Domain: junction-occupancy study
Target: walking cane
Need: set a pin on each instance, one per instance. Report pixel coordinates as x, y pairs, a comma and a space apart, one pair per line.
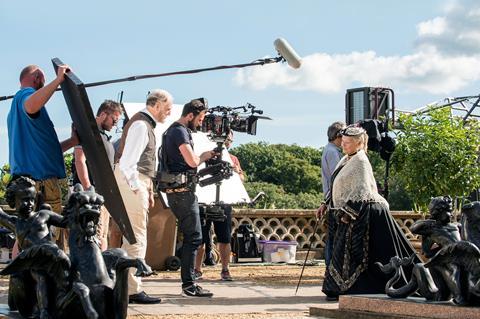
308, 253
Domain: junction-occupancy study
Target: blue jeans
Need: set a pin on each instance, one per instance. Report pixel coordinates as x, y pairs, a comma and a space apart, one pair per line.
329, 238
185, 208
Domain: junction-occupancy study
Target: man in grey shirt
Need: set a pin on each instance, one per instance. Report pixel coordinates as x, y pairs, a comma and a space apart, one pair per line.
332, 153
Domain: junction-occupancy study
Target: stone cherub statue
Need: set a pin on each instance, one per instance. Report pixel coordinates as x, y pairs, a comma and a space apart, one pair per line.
44, 281
35, 243
453, 267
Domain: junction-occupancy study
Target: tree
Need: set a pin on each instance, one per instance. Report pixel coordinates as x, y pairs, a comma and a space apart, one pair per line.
290, 175
398, 198
277, 197
5, 178
437, 154
295, 168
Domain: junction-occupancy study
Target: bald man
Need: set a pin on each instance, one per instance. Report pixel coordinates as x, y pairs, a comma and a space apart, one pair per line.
34, 149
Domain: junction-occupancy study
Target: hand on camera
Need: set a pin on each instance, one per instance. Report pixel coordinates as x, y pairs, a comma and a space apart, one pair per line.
205, 156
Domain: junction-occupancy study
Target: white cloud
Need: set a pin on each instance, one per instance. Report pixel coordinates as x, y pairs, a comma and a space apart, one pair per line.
445, 60
423, 71
455, 33
436, 26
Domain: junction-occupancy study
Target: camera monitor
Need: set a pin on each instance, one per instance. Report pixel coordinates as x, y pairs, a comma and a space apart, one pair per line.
82, 116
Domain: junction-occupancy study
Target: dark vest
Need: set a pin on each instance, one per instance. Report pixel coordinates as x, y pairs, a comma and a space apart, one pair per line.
146, 163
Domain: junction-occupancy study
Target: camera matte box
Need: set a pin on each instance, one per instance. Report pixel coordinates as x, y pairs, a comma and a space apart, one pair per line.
87, 130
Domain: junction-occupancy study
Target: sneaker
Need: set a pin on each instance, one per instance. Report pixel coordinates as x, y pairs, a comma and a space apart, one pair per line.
198, 274
196, 291
225, 275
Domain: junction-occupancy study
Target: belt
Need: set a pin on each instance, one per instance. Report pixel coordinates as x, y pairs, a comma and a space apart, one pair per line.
177, 190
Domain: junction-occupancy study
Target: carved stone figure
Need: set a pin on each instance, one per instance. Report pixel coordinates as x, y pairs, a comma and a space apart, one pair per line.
453, 269
40, 261
46, 283
471, 223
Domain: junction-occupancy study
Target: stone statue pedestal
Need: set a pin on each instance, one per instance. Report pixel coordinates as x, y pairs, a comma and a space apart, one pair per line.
6, 313
382, 306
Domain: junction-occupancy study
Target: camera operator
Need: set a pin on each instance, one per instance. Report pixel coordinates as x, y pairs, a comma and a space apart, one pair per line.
180, 159
223, 230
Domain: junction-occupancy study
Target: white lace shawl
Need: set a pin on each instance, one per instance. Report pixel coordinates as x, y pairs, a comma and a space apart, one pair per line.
355, 182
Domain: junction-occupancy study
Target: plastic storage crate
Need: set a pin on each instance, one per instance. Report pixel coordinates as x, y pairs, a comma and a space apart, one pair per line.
278, 251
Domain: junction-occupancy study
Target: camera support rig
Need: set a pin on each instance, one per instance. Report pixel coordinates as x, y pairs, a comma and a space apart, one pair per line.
219, 170
218, 123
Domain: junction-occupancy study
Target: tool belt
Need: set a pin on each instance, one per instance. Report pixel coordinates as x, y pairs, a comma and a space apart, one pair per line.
177, 190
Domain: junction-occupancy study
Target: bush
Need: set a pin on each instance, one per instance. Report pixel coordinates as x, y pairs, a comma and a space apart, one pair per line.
277, 197
437, 154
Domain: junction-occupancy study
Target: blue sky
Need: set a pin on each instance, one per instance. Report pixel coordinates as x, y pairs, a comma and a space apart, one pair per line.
425, 50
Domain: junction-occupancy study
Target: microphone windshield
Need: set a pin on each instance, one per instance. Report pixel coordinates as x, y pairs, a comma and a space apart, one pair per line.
288, 53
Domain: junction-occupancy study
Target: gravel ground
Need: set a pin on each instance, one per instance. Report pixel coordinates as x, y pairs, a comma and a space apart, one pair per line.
291, 315
276, 275
282, 275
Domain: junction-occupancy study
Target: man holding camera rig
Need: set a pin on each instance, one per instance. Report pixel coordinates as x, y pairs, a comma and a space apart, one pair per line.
181, 161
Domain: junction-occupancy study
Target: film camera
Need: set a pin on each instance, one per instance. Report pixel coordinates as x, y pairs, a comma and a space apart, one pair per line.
221, 119
218, 123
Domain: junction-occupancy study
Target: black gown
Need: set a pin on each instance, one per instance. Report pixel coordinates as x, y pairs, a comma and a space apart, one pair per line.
374, 236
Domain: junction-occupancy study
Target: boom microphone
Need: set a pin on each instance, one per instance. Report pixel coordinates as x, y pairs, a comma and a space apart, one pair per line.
281, 45
288, 53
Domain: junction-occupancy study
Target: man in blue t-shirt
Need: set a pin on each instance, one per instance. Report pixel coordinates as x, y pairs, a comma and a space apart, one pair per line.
34, 149
180, 159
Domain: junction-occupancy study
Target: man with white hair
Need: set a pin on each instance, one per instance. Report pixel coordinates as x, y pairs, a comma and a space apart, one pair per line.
136, 157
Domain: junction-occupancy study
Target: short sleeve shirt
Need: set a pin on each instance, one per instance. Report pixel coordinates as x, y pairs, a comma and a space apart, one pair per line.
34, 149
175, 136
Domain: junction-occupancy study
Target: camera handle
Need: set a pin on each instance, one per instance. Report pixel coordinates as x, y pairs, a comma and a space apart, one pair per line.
219, 150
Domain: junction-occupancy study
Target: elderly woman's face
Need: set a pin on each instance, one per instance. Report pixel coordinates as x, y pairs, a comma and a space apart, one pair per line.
350, 145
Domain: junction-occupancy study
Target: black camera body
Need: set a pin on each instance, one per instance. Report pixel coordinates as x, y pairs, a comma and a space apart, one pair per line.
220, 120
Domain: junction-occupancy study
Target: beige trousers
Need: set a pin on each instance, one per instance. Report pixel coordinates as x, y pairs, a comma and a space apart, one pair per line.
52, 195
136, 205
102, 228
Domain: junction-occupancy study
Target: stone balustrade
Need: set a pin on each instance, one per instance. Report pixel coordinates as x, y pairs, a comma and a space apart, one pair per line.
298, 225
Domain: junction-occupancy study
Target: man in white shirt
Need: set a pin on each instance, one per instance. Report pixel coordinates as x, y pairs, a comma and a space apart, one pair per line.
136, 156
